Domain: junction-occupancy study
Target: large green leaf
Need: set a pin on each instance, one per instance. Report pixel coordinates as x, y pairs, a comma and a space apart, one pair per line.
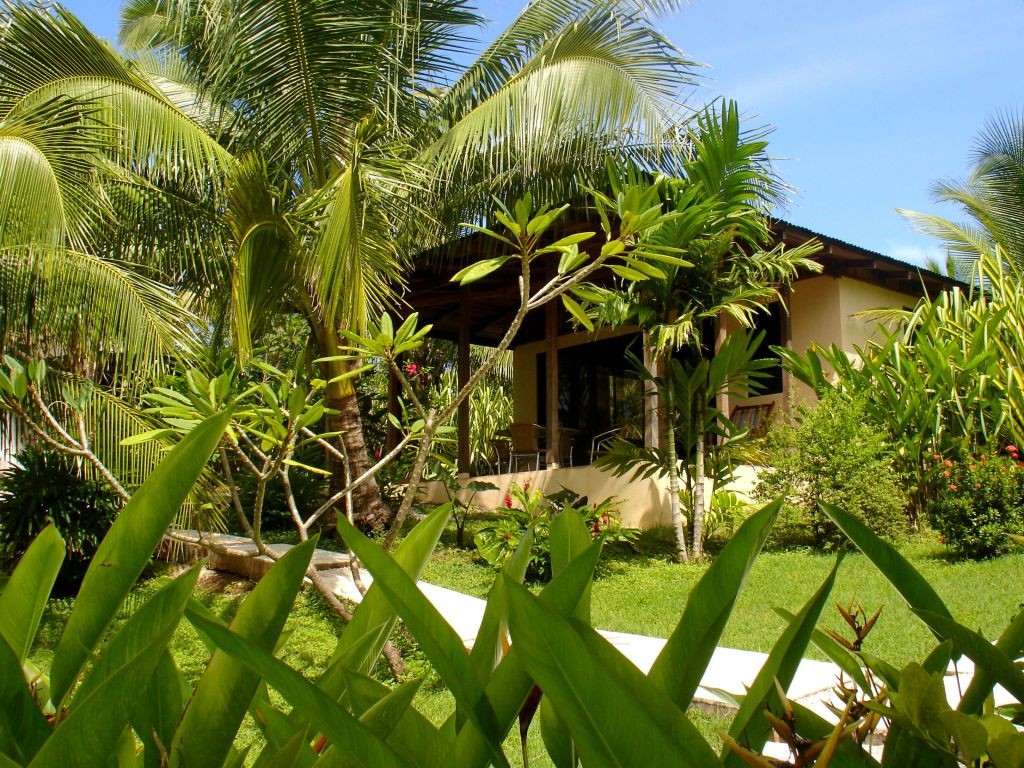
439, 641
510, 684
127, 547
616, 715
996, 664
680, 665
900, 573
25, 595
345, 732
375, 617
1011, 643
412, 736
106, 698
23, 729
158, 710
226, 688
750, 727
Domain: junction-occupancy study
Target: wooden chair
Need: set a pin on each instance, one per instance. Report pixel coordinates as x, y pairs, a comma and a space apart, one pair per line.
754, 418
524, 445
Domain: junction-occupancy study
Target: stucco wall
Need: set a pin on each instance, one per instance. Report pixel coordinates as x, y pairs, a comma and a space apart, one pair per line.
855, 297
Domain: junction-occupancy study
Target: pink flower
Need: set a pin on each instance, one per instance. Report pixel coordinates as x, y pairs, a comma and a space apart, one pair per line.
936, 456
411, 369
952, 486
948, 463
1011, 448
526, 486
946, 473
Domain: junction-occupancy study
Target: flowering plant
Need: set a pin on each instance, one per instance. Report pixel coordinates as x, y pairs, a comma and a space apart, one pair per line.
525, 508
980, 502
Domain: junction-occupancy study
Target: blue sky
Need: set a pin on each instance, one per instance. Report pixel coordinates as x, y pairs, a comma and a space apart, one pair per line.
871, 101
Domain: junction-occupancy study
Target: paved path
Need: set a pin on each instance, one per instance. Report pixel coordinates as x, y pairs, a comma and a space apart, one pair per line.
730, 670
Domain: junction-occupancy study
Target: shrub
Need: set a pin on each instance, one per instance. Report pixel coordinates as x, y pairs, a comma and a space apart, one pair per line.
980, 502
835, 454
49, 486
526, 509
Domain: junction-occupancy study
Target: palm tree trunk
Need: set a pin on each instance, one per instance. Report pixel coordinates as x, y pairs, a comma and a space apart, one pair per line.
673, 471
698, 495
369, 510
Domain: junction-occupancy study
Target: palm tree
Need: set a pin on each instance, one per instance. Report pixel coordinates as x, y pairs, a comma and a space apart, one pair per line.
361, 141
93, 155
992, 196
718, 224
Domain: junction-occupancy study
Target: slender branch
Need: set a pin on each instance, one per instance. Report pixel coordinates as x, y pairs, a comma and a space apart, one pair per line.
236, 501
407, 386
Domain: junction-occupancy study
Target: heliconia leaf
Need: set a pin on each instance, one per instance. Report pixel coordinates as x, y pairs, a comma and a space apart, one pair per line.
288, 755
750, 727
375, 617
841, 657
104, 701
1011, 643
23, 729
158, 709
510, 685
986, 656
900, 573
570, 538
688, 650
581, 673
344, 731
127, 547
441, 644
412, 736
223, 693
24, 597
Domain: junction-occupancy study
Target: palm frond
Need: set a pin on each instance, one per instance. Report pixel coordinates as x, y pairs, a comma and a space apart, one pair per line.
64, 303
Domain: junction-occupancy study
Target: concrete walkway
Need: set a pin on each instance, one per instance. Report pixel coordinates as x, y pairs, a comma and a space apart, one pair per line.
730, 670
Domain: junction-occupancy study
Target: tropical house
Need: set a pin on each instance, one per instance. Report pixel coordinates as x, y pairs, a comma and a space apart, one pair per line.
573, 389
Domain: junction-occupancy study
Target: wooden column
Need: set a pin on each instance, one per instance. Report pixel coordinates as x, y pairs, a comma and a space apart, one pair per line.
787, 342
722, 399
551, 380
463, 376
652, 420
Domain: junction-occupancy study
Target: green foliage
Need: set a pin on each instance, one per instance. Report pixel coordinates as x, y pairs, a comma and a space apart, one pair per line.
530, 511
980, 503
833, 453
44, 487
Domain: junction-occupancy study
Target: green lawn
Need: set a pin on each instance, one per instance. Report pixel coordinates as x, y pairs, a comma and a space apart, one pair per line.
645, 593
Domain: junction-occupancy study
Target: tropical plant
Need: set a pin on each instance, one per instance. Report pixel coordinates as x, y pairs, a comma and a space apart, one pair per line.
362, 142
945, 379
717, 222
528, 513
44, 487
980, 503
833, 452
992, 196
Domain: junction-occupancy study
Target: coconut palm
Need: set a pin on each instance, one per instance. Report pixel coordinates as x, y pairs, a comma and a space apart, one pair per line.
363, 141
95, 155
992, 196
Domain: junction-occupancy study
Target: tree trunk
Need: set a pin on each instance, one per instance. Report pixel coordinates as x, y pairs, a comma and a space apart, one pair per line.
673, 470
369, 510
697, 514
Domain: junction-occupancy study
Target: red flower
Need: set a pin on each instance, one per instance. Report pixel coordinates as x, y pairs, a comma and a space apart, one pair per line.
952, 486
597, 528
604, 519
526, 486
508, 500
946, 473
936, 456
411, 369
1011, 448
948, 463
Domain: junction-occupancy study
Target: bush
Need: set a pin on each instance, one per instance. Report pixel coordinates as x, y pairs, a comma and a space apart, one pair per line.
49, 486
832, 453
525, 509
980, 502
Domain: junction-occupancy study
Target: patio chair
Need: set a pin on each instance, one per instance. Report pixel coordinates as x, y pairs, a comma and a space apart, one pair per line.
602, 442
524, 446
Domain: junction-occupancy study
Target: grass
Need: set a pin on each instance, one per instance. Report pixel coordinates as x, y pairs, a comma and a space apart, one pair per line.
645, 592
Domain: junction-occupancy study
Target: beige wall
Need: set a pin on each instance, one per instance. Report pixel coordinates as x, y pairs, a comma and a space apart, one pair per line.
855, 297
642, 503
